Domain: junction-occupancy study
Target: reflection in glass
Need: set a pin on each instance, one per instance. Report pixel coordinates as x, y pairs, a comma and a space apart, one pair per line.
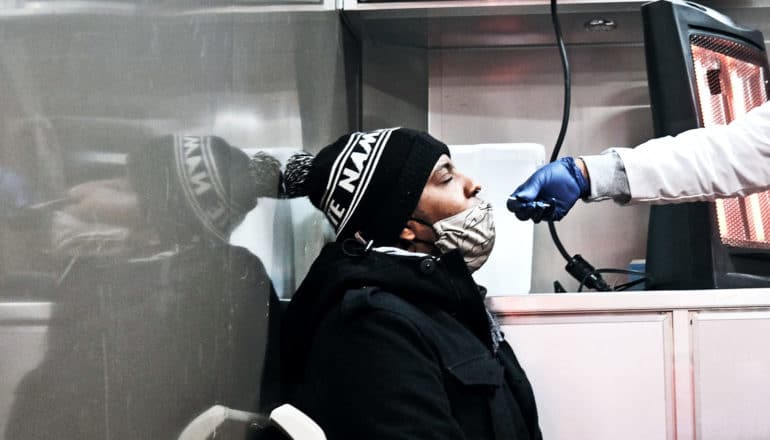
156, 316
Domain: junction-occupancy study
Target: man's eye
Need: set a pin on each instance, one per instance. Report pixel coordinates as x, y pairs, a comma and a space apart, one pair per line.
446, 179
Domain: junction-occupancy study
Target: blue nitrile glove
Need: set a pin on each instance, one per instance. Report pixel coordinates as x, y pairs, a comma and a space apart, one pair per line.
550, 192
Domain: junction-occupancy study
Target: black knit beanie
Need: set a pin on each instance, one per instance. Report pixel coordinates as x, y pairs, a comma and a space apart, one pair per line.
367, 182
199, 186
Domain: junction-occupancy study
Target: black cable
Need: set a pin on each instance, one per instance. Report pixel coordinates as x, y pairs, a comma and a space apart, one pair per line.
630, 284
565, 114
644, 277
582, 283
567, 81
578, 267
621, 271
619, 287
557, 242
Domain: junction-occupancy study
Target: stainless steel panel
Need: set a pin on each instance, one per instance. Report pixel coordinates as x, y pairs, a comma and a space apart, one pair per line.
490, 27
467, 24
515, 95
517, 7
395, 86
145, 331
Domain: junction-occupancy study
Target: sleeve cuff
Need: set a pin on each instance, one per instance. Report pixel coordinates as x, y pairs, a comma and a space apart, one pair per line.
607, 177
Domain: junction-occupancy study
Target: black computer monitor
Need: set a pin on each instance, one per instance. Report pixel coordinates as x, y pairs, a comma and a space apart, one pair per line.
703, 69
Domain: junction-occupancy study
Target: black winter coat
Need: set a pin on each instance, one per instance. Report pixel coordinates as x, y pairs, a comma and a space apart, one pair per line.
384, 346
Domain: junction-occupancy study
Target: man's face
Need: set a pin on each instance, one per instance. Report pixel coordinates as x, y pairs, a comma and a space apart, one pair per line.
447, 192
111, 201
101, 218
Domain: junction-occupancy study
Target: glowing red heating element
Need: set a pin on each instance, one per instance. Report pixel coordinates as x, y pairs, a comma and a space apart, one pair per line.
730, 81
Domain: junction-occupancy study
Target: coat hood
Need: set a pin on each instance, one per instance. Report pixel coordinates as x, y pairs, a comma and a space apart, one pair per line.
442, 282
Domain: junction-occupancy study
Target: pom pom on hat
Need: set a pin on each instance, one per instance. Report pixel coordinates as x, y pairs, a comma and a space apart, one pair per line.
296, 175
265, 171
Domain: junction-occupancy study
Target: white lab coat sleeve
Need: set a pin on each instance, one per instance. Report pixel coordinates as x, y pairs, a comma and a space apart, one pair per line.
696, 165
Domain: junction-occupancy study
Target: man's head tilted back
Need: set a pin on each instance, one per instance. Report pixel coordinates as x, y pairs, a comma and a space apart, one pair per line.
368, 182
394, 186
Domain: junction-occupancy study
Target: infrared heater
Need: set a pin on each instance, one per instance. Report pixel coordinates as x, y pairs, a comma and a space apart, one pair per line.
705, 70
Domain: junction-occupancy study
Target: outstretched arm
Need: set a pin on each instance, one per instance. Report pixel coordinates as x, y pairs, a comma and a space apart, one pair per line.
700, 164
697, 165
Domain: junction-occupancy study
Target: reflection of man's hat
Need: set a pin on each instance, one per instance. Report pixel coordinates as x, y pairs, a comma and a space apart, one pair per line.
368, 182
199, 185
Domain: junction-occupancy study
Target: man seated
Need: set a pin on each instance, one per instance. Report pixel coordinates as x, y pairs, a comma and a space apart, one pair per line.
388, 336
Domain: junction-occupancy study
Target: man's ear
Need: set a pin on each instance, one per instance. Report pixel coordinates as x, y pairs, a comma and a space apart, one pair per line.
407, 233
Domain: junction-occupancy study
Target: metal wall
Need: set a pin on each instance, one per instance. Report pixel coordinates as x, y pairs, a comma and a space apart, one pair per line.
515, 95
112, 327
499, 79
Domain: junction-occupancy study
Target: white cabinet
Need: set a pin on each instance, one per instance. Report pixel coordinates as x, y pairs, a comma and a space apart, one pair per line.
731, 374
649, 365
597, 375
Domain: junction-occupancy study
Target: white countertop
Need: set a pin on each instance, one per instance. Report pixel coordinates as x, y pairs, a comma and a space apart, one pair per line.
538, 303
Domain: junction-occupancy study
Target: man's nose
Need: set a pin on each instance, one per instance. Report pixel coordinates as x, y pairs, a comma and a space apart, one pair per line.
471, 187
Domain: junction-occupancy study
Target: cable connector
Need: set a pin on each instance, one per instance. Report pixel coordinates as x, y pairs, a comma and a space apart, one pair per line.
586, 274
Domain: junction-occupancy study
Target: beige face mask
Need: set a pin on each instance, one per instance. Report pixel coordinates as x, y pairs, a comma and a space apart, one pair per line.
472, 232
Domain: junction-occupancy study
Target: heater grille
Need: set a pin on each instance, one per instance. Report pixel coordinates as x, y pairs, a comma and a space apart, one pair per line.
731, 80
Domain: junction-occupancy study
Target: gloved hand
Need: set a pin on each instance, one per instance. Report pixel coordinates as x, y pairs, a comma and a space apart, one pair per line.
550, 192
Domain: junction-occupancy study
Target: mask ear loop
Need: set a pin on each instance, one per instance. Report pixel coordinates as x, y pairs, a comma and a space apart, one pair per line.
424, 223
417, 240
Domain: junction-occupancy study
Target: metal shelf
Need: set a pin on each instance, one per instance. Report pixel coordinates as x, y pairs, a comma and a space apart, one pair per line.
512, 7
467, 24
499, 23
